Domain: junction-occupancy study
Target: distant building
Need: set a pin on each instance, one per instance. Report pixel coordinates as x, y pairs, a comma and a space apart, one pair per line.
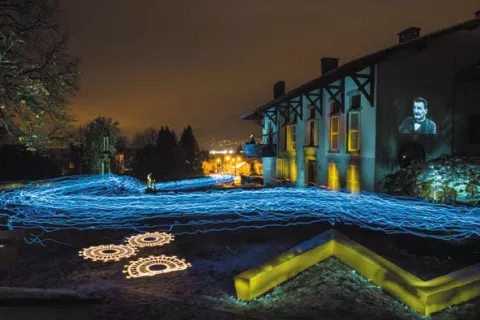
230, 162
359, 121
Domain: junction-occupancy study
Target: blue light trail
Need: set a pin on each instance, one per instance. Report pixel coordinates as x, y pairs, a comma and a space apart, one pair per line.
118, 202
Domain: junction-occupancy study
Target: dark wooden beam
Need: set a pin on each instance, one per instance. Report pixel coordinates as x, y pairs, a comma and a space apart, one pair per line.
258, 119
370, 80
296, 108
338, 96
272, 115
284, 110
316, 100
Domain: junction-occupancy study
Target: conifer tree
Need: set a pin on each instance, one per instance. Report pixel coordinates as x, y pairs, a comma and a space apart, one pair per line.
191, 152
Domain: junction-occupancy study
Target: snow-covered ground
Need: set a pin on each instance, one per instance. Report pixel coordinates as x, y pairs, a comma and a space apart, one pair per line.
329, 290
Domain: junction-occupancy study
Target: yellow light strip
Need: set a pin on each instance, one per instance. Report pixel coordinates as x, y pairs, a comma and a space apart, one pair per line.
425, 297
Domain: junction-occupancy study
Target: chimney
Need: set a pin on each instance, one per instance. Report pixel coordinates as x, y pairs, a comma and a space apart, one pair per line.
409, 34
477, 14
278, 89
329, 64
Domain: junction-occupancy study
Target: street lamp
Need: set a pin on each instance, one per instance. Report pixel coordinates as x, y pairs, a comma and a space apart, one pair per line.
106, 155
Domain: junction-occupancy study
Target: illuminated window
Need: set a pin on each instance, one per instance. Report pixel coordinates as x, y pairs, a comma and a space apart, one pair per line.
353, 178
334, 132
353, 132
333, 179
311, 133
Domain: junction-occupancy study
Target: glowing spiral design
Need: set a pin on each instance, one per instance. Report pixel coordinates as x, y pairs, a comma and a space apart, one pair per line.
108, 252
144, 267
150, 239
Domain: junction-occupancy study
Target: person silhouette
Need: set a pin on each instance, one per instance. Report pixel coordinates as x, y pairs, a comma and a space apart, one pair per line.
149, 181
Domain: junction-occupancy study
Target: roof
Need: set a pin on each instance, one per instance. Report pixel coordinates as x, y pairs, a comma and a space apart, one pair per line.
361, 63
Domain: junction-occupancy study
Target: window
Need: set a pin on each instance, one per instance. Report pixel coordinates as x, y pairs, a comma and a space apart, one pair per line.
334, 132
353, 179
311, 112
355, 102
284, 136
311, 133
353, 144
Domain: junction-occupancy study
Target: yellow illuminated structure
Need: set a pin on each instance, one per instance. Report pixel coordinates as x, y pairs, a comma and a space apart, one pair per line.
148, 267
333, 178
353, 179
150, 239
425, 297
108, 252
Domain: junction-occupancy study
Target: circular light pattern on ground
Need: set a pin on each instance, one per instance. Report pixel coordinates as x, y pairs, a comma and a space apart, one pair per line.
108, 252
151, 266
150, 239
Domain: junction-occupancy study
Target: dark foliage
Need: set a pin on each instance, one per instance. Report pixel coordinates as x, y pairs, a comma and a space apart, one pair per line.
37, 75
169, 159
191, 151
164, 159
443, 180
21, 164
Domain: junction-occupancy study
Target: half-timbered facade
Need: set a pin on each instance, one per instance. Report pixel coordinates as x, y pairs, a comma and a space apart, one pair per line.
359, 121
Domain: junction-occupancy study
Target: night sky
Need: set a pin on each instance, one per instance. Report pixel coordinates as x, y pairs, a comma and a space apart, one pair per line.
206, 62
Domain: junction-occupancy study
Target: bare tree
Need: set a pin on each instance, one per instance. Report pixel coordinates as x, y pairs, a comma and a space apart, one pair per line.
149, 136
37, 75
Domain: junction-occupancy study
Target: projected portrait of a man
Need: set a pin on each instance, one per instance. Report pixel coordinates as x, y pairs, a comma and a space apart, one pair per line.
419, 123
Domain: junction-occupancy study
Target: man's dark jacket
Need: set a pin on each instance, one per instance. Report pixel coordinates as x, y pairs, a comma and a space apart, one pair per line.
426, 127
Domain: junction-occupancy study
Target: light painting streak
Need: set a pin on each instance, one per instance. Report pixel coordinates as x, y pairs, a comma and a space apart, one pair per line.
118, 202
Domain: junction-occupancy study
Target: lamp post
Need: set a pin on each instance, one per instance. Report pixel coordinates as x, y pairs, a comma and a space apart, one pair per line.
106, 155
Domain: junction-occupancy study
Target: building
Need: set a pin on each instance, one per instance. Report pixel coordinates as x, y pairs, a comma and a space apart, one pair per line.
232, 163
364, 119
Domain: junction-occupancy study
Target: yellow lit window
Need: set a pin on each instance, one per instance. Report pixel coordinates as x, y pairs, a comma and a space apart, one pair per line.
334, 132
353, 132
294, 136
353, 178
333, 179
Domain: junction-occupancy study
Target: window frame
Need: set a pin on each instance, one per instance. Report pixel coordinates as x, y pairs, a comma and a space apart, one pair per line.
350, 131
311, 136
332, 134
353, 98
